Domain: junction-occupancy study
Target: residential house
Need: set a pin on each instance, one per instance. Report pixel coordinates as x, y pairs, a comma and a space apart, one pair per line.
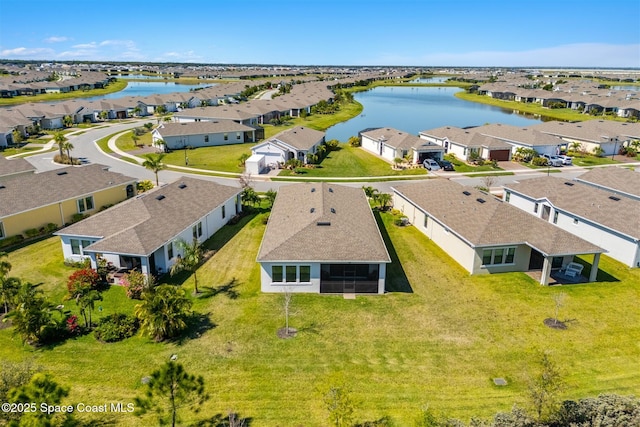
599, 216
463, 143
322, 238
32, 201
201, 134
391, 144
294, 143
142, 233
484, 234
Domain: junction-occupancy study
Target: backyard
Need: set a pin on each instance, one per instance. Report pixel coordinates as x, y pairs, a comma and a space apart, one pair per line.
438, 337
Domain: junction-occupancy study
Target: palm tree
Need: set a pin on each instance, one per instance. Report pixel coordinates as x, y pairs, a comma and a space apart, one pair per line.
67, 146
154, 164
9, 286
189, 260
59, 139
33, 315
163, 312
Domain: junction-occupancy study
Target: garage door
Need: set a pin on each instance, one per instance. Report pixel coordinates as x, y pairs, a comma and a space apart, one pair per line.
499, 155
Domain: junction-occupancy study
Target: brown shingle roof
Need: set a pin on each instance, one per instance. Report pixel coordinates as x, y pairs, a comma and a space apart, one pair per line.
27, 192
322, 222
141, 225
616, 179
300, 137
14, 166
482, 220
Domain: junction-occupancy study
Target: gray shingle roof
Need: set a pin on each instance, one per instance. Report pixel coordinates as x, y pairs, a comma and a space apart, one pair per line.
141, 225
27, 192
584, 201
616, 179
300, 137
492, 222
295, 231
199, 128
14, 166
395, 138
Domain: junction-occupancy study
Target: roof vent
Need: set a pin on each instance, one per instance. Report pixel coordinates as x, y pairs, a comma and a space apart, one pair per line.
62, 173
333, 210
323, 223
614, 198
570, 184
466, 193
312, 210
182, 185
480, 200
313, 189
160, 197
2, 186
330, 190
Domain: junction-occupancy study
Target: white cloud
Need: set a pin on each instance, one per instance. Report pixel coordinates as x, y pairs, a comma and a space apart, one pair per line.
56, 39
188, 56
91, 45
40, 52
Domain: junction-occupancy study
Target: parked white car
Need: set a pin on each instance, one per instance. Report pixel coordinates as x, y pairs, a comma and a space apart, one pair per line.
566, 160
431, 165
553, 160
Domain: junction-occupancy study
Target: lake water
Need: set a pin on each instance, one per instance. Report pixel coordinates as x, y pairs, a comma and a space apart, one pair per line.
414, 109
430, 80
143, 88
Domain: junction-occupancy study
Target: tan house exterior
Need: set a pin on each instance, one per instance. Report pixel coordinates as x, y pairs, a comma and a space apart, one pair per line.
54, 197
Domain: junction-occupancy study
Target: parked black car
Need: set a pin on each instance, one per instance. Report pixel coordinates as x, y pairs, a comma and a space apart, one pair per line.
446, 165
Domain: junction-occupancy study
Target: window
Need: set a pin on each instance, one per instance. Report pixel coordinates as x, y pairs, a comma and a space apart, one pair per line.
197, 230
226, 136
276, 273
507, 196
238, 135
426, 220
535, 207
498, 256
291, 271
206, 138
224, 214
75, 246
170, 250
305, 273
85, 204
555, 217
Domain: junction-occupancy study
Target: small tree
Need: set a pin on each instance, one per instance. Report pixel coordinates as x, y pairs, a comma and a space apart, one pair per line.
271, 196
354, 141
170, 388
250, 197
59, 139
9, 286
242, 160
383, 199
369, 191
558, 299
544, 388
189, 260
33, 317
41, 389
339, 404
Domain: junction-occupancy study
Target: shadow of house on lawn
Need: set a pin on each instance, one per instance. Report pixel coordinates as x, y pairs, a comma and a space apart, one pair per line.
396, 278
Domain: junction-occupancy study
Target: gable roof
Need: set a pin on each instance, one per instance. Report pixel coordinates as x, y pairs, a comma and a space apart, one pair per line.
27, 192
321, 222
618, 213
483, 220
141, 225
394, 138
15, 166
200, 128
619, 180
300, 137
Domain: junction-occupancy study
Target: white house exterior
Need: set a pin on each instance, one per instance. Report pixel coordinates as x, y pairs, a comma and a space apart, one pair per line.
322, 238
202, 134
142, 232
462, 142
602, 217
390, 144
485, 235
294, 143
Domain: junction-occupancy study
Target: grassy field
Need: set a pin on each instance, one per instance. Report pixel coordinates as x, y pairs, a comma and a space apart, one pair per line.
352, 161
438, 337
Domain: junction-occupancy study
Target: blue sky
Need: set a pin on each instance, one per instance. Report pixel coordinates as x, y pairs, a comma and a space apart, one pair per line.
569, 33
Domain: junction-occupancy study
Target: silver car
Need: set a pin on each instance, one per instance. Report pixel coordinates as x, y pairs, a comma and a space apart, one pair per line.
553, 160
566, 160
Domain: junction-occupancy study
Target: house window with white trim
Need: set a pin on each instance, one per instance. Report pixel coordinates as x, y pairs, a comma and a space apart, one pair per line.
85, 204
276, 273
507, 196
498, 256
170, 250
224, 212
426, 220
75, 246
238, 135
305, 273
535, 207
1, 230
226, 136
555, 217
291, 273
197, 230
206, 138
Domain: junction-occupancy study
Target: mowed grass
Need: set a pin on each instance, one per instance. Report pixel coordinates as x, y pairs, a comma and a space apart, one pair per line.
437, 338
350, 161
224, 158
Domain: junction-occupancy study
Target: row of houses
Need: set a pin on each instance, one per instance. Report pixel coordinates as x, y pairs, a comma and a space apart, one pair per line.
38, 83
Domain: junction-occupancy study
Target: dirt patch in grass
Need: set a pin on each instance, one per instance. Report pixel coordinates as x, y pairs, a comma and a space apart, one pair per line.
285, 333
555, 324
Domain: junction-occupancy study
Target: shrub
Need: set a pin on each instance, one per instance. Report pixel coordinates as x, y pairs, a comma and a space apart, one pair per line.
116, 327
332, 144
354, 141
32, 232
72, 325
11, 240
539, 161
144, 185
135, 283
85, 263
50, 228
82, 279
78, 217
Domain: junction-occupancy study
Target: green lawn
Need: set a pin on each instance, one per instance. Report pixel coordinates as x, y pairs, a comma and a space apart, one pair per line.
587, 160
462, 166
350, 161
437, 338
